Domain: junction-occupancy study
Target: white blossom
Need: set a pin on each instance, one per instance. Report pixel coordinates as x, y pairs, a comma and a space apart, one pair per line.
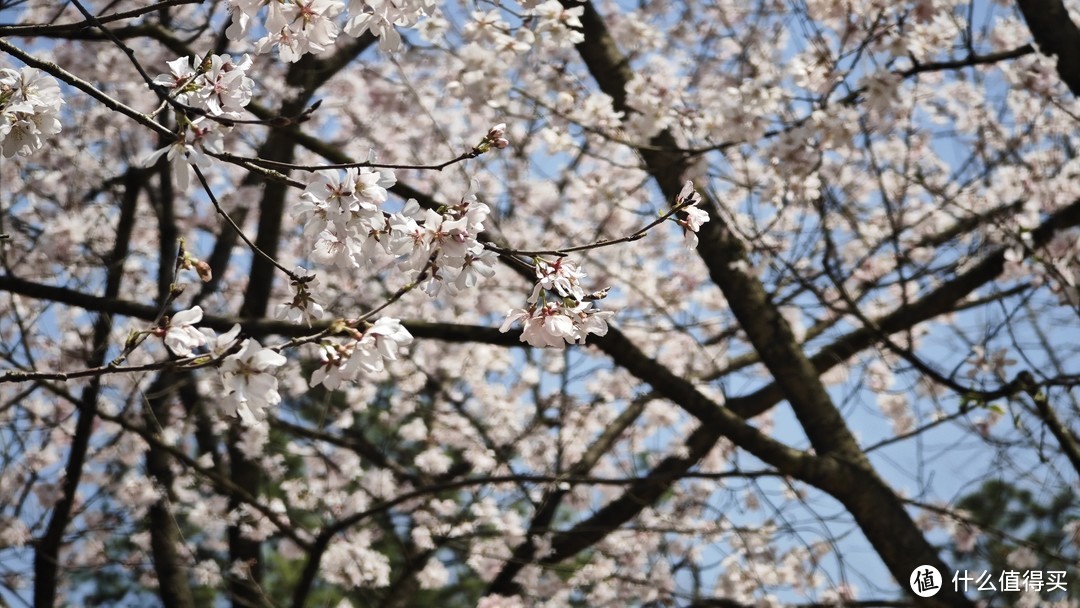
302, 308
433, 461
196, 138
250, 386
352, 562
29, 104
181, 336
367, 354
381, 16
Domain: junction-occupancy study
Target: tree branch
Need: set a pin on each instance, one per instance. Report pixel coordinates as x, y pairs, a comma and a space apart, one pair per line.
1057, 36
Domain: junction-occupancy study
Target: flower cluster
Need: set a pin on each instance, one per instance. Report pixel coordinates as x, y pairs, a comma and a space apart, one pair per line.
298, 27
250, 386
380, 17
559, 311
295, 28
443, 244
366, 353
343, 211
352, 562
983, 361
216, 85
246, 367
495, 138
29, 104
562, 24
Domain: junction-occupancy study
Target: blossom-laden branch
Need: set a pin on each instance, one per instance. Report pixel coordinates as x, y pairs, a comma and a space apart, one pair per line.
78, 83
559, 311
29, 104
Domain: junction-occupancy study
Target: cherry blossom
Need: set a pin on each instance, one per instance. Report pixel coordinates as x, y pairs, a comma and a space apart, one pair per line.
994, 362
686, 203
294, 28
380, 342
553, 325
433, 461
216, 83
354, 564
303, 308
561, 24
250, 386
381, 17
196, 139
181, 336
29, 104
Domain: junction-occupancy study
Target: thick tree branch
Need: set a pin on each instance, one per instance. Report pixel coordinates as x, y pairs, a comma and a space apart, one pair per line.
173, 586
1066, 438
1057, 35
725, 255
47, 552
941, 300
448, 332
842, 468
